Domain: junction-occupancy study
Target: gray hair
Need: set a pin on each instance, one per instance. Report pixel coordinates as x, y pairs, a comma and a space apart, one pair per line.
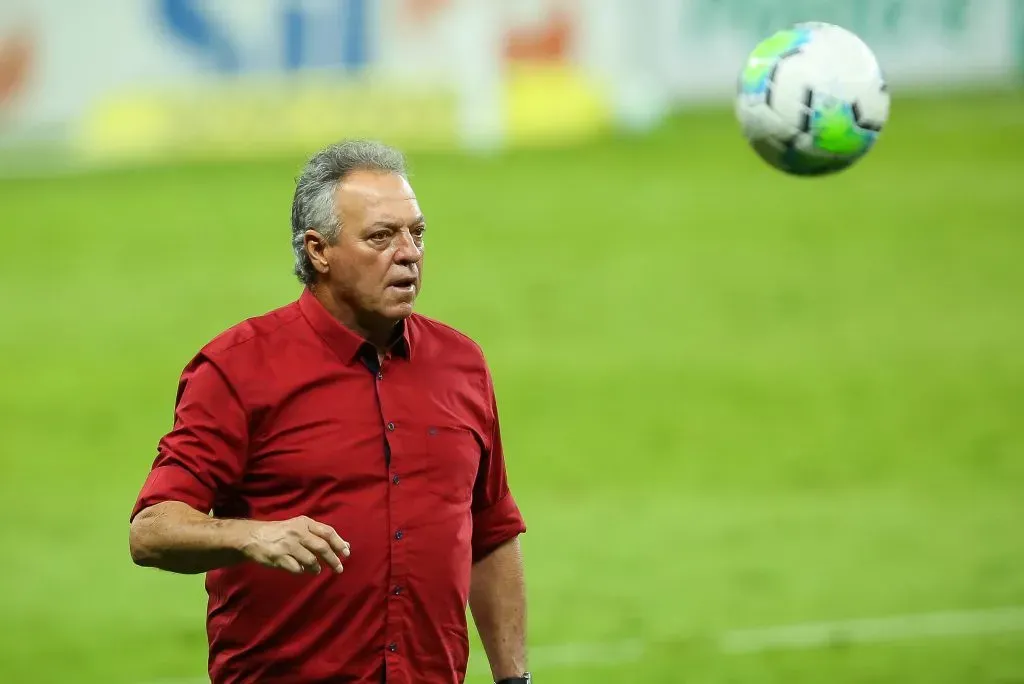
313, 203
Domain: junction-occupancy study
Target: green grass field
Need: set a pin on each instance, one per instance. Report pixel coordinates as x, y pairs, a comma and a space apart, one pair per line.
729, 398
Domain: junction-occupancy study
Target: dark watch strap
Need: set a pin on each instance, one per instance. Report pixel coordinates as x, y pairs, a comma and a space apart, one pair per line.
523, 679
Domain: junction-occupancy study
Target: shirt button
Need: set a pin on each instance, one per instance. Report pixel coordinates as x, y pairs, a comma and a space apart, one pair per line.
392, 647
396, 479
380, 375
399, 534
396, 591
391, 427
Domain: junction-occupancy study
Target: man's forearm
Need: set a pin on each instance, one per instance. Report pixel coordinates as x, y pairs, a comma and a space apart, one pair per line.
497, 599
175, 537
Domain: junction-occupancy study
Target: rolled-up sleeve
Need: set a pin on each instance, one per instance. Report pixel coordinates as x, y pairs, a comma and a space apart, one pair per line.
204, 453
496, 516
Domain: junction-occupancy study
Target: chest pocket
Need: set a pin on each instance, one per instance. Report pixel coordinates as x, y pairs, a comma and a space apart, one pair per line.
453, 459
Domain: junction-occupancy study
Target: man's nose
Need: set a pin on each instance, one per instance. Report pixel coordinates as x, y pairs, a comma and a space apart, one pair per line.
407, 249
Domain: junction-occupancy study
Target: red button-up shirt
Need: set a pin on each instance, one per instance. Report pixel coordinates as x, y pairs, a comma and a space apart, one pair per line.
286, 415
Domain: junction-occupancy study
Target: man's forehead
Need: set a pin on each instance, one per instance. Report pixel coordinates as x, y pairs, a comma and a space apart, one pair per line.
376, 187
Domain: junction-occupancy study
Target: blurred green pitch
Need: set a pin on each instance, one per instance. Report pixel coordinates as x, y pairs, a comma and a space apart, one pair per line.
729, 398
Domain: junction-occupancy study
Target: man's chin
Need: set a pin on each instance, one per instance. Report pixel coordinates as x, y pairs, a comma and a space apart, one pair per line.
399, 301
398, 311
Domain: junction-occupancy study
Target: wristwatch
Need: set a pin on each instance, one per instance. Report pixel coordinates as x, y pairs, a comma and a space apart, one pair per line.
522, 679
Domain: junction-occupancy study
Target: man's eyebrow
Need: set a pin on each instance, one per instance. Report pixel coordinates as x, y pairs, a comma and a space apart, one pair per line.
395, 223
386, 223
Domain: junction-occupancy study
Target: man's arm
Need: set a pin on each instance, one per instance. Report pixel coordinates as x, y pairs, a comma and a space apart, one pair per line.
497, 592
175, 537
497, 599
204, 454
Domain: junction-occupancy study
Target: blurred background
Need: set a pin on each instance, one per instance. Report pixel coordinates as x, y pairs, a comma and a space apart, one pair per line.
763, 430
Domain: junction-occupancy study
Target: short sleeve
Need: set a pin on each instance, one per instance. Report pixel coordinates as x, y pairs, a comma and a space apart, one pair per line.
204, 453
496, 516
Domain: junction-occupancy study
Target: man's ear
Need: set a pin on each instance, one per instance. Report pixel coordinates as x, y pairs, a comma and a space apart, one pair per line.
316, 246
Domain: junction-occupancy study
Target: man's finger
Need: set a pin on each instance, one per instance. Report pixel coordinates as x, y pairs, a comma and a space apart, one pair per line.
306, 558
320, 547
328, 534
290, 564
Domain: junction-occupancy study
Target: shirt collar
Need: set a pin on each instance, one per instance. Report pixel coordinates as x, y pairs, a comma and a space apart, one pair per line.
344, 342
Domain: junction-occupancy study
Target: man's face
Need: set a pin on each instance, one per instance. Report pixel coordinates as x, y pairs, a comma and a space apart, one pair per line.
375, 265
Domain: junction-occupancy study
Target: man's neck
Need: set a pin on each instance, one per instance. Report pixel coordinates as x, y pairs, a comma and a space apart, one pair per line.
375, 330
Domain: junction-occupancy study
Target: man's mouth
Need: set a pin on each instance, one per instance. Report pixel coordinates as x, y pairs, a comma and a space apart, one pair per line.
403, 284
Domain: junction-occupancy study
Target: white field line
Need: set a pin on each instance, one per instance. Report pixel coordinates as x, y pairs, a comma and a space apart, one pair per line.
801, 636
875, 630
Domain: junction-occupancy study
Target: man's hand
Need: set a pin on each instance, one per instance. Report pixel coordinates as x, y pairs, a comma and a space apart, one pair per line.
296, 545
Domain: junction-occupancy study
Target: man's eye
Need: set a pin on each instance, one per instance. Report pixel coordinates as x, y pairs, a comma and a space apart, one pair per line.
380, 236
418, 232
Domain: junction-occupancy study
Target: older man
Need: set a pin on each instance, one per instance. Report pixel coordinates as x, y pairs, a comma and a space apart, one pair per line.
335, 465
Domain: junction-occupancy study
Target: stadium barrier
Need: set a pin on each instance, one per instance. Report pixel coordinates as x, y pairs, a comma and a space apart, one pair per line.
104, 81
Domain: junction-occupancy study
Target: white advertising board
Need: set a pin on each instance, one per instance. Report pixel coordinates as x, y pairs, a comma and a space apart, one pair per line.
702, 43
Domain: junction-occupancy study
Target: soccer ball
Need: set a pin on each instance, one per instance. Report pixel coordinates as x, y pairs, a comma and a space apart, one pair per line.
812, 99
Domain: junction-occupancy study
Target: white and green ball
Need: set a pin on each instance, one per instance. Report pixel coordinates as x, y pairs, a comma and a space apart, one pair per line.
812, 99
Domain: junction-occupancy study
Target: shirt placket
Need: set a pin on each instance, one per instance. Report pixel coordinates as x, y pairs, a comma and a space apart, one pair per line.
395, 622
